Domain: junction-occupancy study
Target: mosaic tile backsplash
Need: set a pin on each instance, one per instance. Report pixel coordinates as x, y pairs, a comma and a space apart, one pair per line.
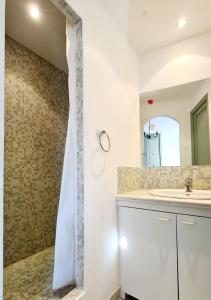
130, 179
36, 116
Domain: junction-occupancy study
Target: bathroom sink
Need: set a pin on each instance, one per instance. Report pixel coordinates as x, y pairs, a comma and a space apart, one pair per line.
181, 194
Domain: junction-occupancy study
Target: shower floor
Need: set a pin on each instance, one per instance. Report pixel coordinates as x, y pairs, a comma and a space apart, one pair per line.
31, 278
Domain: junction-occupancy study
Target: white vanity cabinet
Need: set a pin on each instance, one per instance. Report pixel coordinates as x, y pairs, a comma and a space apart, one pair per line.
194, 257
148, 257
165, 255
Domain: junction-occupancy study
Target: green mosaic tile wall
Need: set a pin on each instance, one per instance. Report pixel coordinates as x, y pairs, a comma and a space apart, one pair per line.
36, 116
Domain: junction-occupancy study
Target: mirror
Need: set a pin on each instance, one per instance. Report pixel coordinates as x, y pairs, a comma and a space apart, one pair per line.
175, 125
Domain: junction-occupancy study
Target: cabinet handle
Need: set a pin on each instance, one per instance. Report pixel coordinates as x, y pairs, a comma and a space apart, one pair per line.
164, 219
188, 222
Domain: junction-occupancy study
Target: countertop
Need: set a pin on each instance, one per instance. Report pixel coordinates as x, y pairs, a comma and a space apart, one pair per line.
145, 196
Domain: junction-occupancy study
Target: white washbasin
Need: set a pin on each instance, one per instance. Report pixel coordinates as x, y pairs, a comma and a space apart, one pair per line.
181, 194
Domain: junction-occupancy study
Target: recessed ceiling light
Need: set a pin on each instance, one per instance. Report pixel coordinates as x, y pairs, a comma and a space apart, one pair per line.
34, 12
145, 12
181, 23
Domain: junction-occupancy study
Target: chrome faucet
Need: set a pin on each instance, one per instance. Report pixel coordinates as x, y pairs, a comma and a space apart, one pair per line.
188, 184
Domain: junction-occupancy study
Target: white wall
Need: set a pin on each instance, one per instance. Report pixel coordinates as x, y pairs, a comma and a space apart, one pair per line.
110, 102
2, 7
183, 62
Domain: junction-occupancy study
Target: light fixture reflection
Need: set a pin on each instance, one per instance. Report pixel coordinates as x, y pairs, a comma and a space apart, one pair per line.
123, 243
34, 12
181, 23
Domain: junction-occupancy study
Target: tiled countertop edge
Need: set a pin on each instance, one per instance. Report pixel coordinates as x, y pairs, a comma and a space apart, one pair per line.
75, 294
78, 294
144, 195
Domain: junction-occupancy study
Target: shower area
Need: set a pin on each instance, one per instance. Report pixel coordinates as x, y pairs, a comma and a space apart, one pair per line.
36, 127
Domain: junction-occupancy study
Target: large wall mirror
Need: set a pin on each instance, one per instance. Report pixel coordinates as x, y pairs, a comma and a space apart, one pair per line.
175, 125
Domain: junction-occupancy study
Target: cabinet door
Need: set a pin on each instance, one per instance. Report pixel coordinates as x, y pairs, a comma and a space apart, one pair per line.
148, 255
194, 258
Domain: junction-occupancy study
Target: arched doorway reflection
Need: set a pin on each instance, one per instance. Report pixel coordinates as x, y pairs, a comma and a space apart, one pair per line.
161, 142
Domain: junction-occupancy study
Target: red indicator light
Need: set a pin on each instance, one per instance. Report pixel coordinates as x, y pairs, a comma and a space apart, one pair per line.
150, 101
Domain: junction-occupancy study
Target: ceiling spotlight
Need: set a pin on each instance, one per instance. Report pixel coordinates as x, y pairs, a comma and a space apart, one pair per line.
34, 12
181, 23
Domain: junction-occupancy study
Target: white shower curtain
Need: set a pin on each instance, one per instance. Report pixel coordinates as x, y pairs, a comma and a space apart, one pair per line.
64, 264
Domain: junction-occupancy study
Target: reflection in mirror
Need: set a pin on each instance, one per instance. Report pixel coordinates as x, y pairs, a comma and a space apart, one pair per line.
175, 125
161, 142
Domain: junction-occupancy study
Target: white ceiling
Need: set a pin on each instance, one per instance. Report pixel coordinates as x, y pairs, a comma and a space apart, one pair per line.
157, 27
176, 93
45, 36
146, 32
